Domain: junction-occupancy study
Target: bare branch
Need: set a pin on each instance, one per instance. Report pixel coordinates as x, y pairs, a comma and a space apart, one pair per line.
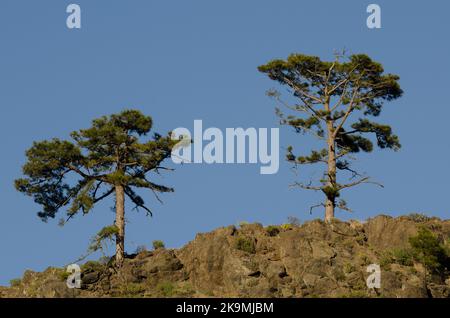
329, 74
157, 197
353, 172
315, 206
97, 188
106, 194
347, 113
307, 187
343, 206
363, 180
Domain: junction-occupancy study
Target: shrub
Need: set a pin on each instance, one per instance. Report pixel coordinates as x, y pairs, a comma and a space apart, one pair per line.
365, 260
158, 244
166, 288
418, 217
403, 257
361, 239
243, 223
63, 275
428, 250
132, 289
15, 282
246, 245
92, 266
286, 227
386, 259
348, 268
339, 274
273, 230
184, 289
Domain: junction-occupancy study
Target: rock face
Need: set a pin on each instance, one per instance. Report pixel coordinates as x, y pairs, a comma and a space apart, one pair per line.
311, 260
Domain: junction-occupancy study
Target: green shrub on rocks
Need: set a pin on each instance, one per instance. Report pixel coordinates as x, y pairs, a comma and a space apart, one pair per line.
133, 290
386, 259
273, 230
425, 248
418, 217
15, 282
429, 251
403, 257
166, 289
246, 244
286, 227
158, 245
348, 268
63, 274
92, 266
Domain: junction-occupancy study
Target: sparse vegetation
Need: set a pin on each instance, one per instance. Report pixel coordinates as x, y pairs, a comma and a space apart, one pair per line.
273, 230
365, 260
157, 244
133, 290
339, 274
286, 227
63, 274
166, 289
246, 244
243, 223
396, 256
15, 282
93, 266
430, 252
335, 265
348, 268
425, 248
403, 256
418, 217
386, 259
184, 289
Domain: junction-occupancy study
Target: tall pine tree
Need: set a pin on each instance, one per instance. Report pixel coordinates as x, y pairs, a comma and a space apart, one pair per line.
106, 159
335, 100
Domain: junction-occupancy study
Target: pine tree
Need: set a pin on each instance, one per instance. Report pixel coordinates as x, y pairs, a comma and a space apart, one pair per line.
107, 158
328, 94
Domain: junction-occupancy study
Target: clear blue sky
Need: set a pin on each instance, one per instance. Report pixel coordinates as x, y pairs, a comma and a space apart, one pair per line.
183, 60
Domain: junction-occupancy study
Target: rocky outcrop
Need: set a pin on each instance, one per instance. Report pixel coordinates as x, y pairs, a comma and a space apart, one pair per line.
312, 260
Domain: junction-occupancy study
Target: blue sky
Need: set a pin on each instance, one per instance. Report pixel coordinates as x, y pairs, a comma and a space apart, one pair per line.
183, 60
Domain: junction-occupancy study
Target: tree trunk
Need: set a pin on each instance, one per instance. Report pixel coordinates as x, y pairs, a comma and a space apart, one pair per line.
120, 224
331, 194
329, 209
